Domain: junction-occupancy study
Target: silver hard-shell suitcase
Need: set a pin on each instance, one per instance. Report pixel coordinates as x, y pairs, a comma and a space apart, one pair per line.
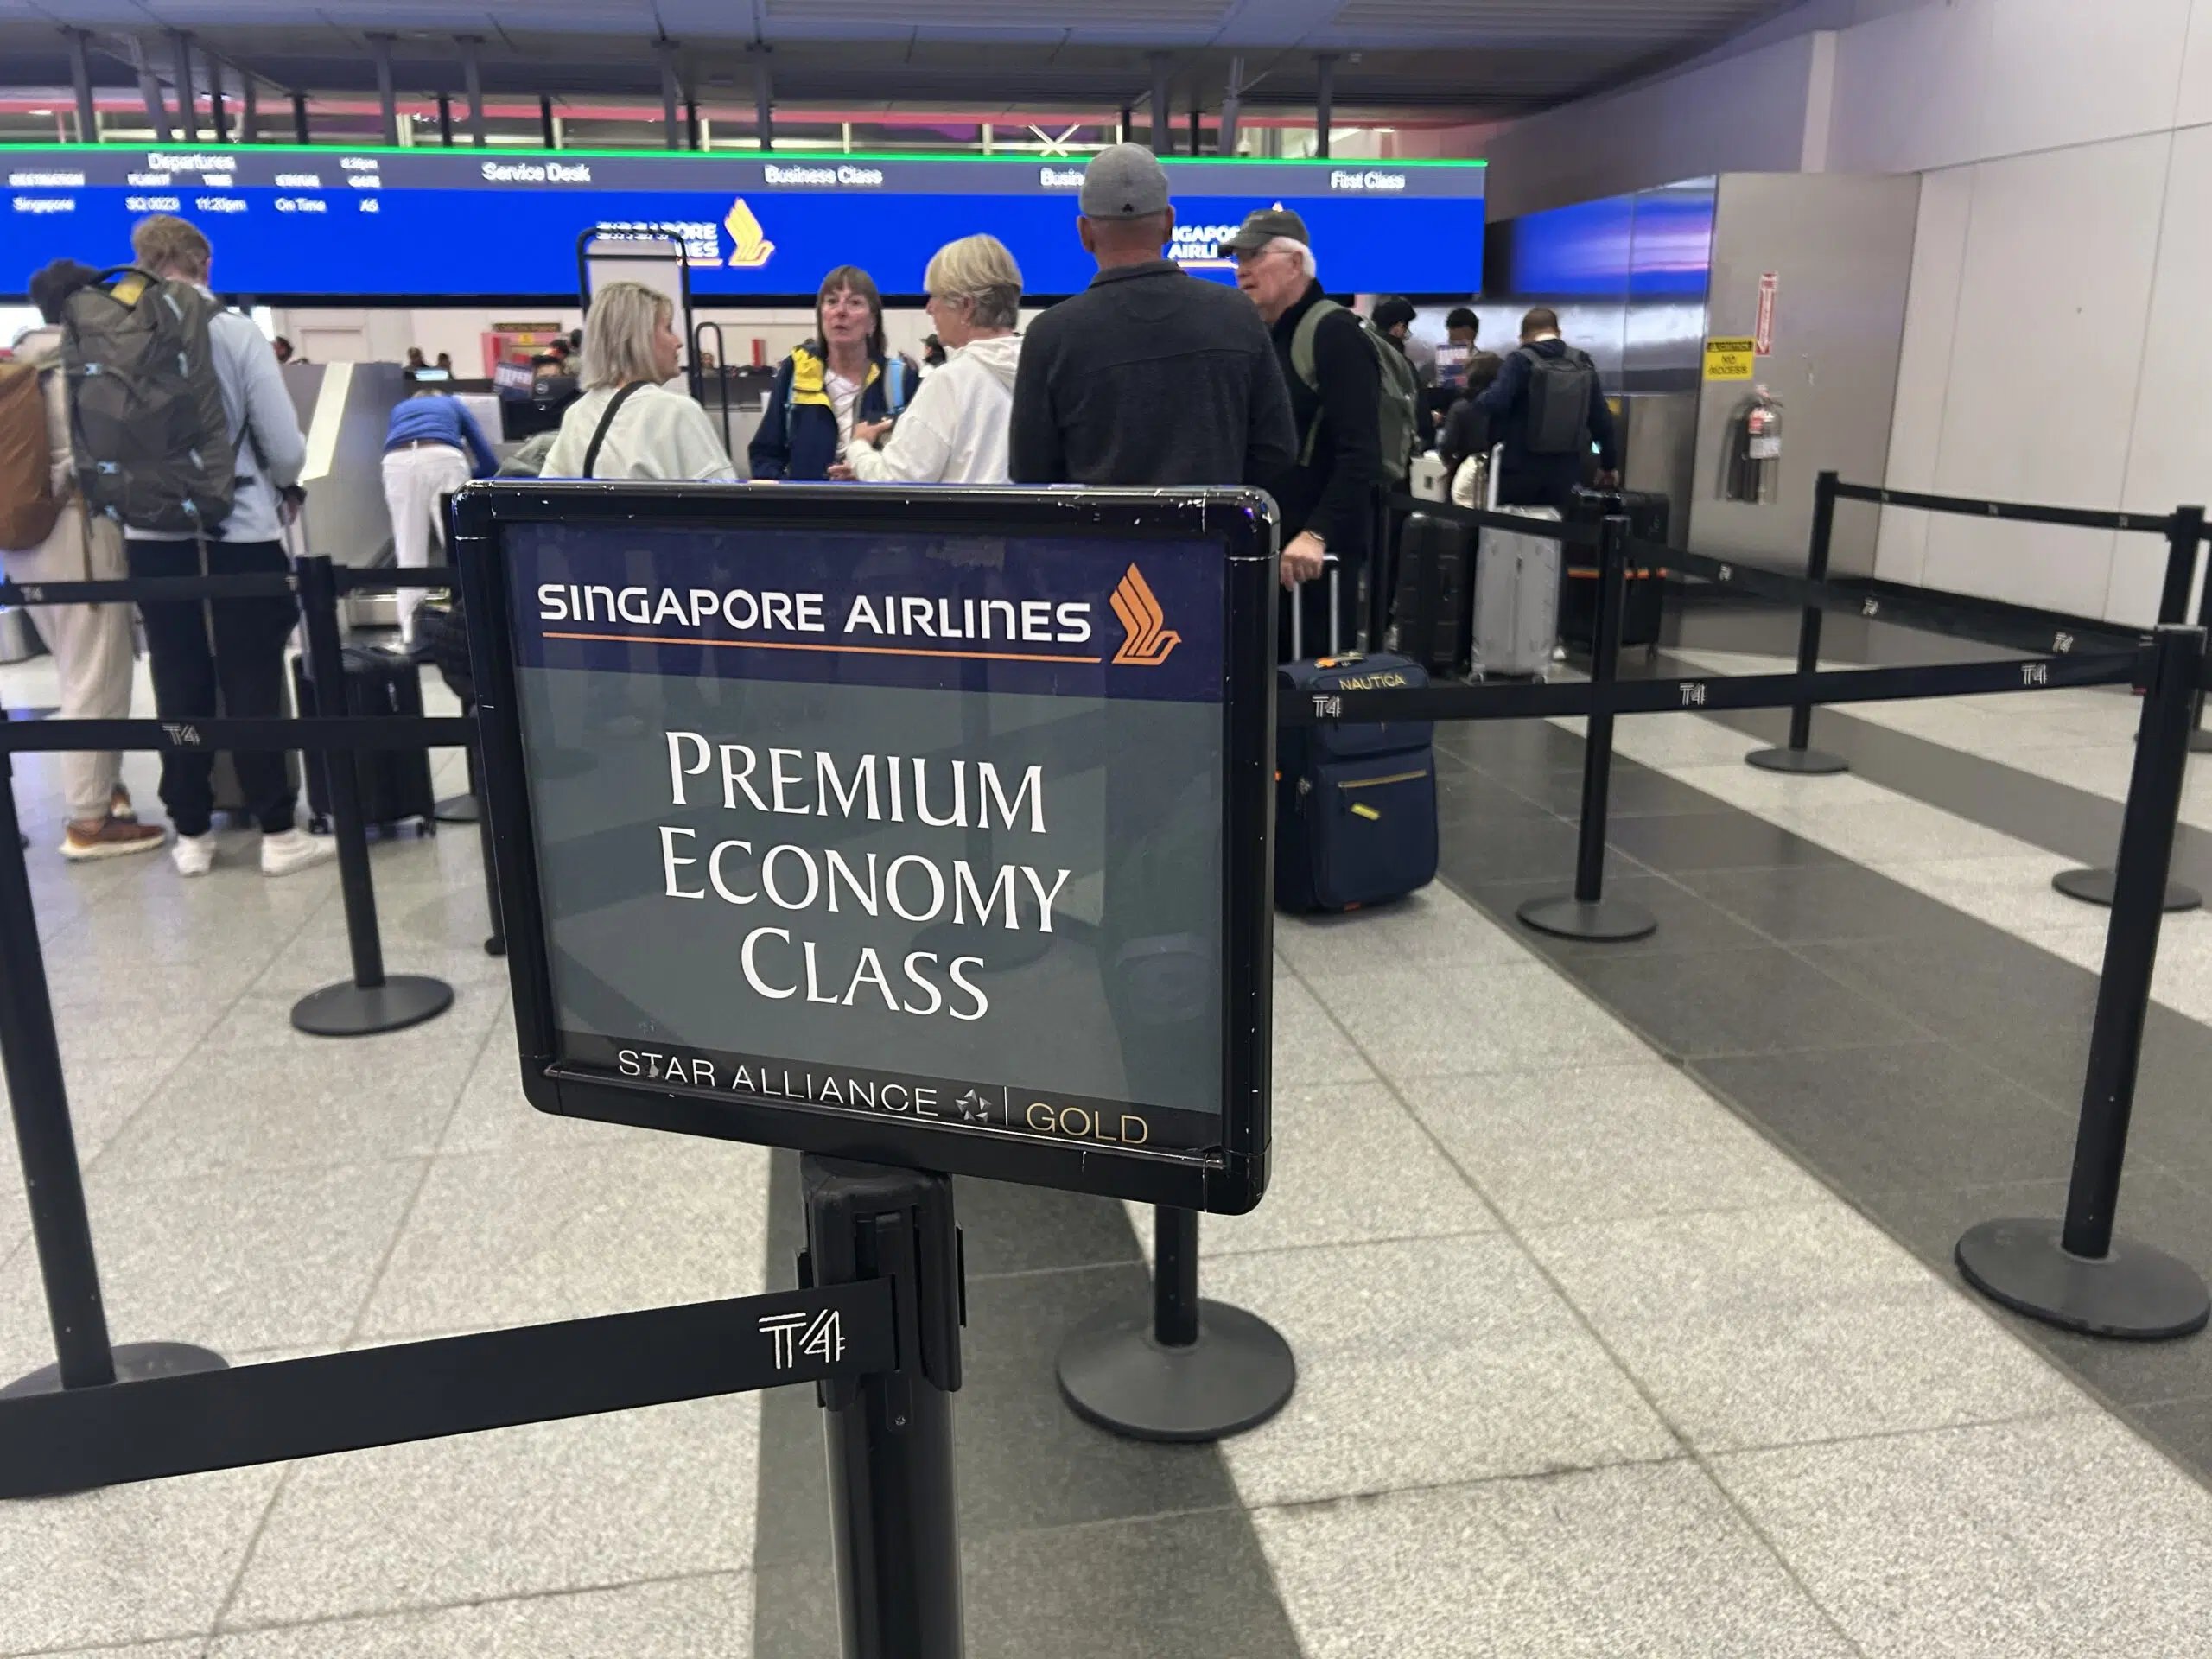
1516, 593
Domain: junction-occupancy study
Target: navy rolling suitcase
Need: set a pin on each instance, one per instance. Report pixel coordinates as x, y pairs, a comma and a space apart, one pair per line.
1355, 805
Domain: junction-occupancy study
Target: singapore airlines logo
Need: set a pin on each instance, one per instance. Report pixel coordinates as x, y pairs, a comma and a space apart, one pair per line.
1150, 638
749, 244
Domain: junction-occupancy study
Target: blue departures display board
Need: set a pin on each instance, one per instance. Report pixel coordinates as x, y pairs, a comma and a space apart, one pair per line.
304, 222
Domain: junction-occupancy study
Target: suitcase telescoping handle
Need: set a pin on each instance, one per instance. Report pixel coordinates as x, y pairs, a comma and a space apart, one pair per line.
1336, 615
1489, 481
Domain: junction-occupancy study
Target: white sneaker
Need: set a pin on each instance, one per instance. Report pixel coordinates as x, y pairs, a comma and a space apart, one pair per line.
193, 855
293, 850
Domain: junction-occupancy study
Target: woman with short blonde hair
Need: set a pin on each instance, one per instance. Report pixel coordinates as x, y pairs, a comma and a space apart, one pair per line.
955, 432
628, 423
978, 270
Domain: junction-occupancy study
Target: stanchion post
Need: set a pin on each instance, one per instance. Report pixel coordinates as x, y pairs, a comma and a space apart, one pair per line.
2184, 531
1798, 755
894, 1521
38, 1101
2097, 885
1586, 913
2077, 1274
2200, 741
326, 671
370, 1003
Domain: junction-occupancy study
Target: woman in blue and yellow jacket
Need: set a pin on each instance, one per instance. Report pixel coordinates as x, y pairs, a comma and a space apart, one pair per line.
843, 376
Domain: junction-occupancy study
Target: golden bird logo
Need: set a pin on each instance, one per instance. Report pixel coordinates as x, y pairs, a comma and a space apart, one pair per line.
749, 244
1149, 637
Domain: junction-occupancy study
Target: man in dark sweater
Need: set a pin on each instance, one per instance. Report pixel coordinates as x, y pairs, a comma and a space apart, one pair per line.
1531, 475
1149, 376
1329, 364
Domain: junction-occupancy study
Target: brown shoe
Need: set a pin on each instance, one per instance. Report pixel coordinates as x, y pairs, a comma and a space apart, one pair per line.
110, 838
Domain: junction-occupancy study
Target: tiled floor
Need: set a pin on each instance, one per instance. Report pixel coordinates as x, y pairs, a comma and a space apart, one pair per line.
1588, 1362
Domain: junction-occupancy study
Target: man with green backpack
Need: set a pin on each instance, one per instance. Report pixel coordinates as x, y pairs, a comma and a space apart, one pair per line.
1352, 398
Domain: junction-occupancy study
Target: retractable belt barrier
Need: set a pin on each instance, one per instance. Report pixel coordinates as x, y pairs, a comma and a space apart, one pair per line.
1710, 694
1550, 529
2077, 1274
2023, 512
309, 733
156, 590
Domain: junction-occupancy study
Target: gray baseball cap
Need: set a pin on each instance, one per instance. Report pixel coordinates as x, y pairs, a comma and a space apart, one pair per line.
1262, 226
1124, 182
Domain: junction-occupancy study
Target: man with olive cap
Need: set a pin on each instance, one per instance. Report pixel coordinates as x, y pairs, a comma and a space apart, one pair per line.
1334, 379
1150, 375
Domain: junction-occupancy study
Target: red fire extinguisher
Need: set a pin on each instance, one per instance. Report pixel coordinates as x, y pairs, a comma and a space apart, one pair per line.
1754, 452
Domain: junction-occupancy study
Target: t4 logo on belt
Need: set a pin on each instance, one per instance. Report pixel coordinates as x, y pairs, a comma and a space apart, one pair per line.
1150, 639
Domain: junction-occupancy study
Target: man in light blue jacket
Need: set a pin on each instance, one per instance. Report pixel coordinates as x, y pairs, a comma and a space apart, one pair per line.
233, 648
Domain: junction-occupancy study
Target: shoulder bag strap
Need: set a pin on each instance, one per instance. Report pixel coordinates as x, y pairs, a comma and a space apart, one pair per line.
614, 408
1301, 365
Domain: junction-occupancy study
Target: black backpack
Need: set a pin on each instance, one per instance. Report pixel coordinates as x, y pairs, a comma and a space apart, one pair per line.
153, 446
1560, 390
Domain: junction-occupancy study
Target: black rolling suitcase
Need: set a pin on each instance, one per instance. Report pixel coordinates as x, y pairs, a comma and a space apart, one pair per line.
1355, 805
1645, 589
1433, 613
395, 783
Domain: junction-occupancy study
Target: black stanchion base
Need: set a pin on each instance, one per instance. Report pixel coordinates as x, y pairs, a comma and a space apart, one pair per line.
351, 1010
2096, 887
1238, 1374
135, 1361
1807, 763
457, 809
495, 946
2136, 1292
1569, 918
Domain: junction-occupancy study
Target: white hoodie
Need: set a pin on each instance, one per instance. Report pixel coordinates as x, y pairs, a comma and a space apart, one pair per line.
954, 432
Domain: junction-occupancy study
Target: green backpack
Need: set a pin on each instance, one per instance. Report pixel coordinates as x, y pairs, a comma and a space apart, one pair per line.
1396, 416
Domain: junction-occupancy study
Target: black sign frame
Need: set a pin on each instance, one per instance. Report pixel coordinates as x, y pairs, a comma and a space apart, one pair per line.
1242, 522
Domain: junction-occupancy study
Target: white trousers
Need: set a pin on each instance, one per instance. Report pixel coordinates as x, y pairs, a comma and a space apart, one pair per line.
413, 481
91, 645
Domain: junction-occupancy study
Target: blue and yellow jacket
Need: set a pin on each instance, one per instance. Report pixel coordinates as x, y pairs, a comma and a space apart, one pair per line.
797, 435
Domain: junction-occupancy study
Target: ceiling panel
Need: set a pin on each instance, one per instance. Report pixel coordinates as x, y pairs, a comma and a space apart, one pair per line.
1472, 59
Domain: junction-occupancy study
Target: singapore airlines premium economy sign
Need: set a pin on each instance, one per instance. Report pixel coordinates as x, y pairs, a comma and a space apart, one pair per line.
922, 828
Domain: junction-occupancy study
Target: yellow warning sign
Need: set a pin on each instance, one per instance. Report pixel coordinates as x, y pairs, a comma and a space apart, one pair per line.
1730, 359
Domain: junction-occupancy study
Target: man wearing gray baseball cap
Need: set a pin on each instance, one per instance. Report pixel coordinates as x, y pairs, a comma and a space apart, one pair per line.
1150, 375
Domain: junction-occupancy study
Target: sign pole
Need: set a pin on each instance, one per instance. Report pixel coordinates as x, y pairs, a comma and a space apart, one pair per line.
1180, 1369
894, 1514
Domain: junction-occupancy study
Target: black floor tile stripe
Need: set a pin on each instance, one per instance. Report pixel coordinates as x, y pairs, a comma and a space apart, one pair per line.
1077, 1544
1926, 1065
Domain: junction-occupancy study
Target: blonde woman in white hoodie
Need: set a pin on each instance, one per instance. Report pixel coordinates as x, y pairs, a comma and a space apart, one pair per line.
954, 431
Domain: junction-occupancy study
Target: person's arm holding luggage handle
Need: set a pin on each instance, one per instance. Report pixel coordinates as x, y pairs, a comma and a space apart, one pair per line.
1605, 432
